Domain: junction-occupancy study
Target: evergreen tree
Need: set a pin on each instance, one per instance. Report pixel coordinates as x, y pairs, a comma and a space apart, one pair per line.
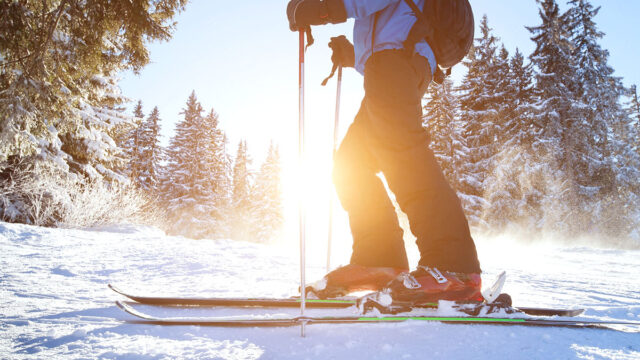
268, 208
504, 101
60, 99
137, 111
519, 128
600, 92
191, 185
617, 210
634, 113
219, 171
151, 153
514, 187
130, 144
227, 166
498, 191
448, 144
60, 103
440, 115
557, 114
242, 197
479, 109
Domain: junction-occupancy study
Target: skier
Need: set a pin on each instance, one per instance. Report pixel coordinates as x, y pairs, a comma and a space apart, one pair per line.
387, 136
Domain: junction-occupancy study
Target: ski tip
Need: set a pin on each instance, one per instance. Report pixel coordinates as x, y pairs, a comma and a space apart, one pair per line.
117, 290
121, 305
131, 311
112, 287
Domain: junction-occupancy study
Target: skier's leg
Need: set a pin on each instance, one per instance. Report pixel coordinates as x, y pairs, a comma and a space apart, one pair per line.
378, 248
377, 236
394, 86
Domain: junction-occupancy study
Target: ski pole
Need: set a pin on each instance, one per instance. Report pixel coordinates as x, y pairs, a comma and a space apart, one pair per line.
301, 208
333, 155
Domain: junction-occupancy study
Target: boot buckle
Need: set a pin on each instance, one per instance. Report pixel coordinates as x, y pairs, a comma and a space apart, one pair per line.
437, 275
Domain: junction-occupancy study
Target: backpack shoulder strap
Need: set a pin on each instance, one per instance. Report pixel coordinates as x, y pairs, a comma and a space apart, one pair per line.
421, 29
416, 10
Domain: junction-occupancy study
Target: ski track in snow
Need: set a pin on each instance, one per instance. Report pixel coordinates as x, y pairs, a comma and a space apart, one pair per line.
55, 302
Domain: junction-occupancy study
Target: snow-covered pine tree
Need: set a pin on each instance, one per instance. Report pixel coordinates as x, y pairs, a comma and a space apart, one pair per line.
130, 144
219, 172
504, 101
267, 202
500, 190
557, 114
60, 101
242, 219
90, 149
227, 183
518, 127
618, 216
151, 154
439, 119
616, 212
59, 98
513, 187
448, 144
138, 113
634, 104
479, 97
633, 109
600, 92
190, 184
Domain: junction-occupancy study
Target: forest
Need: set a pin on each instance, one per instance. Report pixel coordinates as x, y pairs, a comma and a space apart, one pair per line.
541, 142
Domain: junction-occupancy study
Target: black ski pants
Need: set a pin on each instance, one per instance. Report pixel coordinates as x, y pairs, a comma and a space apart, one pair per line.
387, 136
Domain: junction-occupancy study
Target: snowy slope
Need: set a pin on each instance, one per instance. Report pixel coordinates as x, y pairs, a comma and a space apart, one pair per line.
55, 303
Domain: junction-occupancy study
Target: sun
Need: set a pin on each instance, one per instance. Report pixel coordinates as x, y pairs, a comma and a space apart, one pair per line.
309, 185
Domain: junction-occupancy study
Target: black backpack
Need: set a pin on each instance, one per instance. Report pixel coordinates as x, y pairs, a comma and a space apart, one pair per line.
448, 27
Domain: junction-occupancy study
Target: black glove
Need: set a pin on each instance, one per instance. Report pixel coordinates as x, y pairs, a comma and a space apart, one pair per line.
343, 55
303, 13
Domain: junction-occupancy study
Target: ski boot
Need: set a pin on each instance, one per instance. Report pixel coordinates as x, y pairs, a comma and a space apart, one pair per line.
351, 278
429, 285
424, 288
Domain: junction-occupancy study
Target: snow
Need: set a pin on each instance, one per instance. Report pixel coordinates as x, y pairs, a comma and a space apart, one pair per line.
55, 302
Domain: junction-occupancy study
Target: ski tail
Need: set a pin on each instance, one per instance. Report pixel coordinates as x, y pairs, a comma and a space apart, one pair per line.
491, 293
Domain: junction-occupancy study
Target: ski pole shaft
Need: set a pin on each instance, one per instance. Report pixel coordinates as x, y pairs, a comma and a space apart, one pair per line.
333, 154
301, 207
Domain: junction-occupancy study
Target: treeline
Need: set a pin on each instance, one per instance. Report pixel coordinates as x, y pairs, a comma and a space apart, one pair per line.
201, 189
548, 144
70, 155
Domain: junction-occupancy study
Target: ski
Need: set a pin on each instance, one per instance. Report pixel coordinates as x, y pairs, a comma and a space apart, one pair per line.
295, 302
294, 321
237, 302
